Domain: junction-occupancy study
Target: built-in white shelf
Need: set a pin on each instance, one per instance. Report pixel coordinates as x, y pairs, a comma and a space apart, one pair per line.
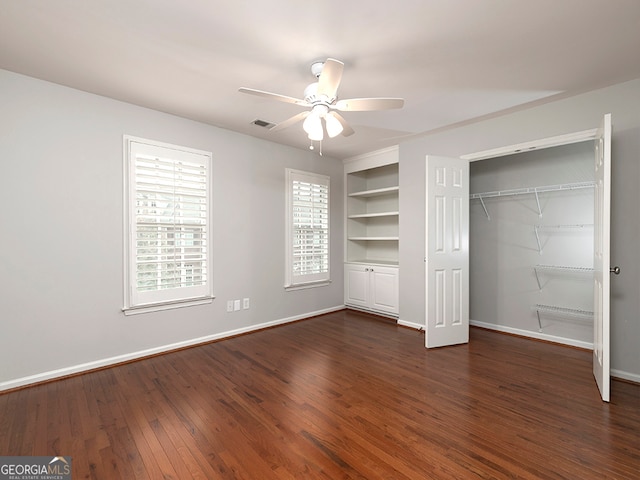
374, 238
375, 261
372, 228
374, 215
375, 192
372, 210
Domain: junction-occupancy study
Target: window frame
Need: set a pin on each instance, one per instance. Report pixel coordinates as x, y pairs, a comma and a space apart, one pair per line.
162, 299
293, 281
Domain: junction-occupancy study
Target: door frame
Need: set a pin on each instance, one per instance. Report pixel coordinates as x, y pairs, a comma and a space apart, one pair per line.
556, 141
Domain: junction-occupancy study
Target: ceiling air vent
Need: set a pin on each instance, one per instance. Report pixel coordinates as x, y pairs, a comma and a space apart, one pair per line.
263, 124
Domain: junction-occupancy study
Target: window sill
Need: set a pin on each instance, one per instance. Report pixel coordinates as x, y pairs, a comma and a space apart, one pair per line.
302, 286
158, 307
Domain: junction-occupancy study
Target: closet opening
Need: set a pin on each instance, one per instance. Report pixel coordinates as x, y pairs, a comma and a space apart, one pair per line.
487, 269
531, 243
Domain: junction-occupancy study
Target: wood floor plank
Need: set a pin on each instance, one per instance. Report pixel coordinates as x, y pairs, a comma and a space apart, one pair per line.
341, 396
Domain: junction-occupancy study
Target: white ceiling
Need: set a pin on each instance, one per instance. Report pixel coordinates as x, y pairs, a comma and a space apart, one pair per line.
451, 60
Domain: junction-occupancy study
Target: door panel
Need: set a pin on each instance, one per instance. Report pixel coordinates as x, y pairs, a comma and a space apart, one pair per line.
447, 251
356, 285
601, 261
384, 288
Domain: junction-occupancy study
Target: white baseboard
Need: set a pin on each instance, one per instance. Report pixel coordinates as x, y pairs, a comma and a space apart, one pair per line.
530, 334
417, 326
380, 313
106, 362
621, 374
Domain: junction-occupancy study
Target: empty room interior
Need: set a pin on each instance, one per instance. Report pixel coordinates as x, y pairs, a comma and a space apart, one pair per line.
320, 241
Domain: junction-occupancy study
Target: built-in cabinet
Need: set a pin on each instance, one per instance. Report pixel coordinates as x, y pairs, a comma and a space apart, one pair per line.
372, 231
372, 287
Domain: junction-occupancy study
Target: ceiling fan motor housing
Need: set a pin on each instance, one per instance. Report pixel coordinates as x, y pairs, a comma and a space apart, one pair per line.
311, 95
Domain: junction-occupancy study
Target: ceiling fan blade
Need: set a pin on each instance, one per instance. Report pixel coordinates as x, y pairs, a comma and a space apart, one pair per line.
346, 129
368, 104
274, 96
330, 78
290, 121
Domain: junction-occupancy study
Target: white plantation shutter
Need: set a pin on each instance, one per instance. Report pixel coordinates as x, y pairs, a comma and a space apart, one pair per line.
169, 209
308, 228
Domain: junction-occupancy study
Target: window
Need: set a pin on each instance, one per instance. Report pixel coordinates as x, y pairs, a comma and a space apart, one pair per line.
167, 210
307, 229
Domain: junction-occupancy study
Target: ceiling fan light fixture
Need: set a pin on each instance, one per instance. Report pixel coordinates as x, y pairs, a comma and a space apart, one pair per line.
313, 123
313, 126
334, 127
316, 136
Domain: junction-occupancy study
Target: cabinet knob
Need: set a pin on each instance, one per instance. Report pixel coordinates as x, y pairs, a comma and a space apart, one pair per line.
615, 270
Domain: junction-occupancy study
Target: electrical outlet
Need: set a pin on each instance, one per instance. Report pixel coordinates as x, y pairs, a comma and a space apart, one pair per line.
229, 305
245, 303
236, 305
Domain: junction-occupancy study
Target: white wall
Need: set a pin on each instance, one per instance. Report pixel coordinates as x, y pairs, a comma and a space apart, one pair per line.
581, 112
61, 273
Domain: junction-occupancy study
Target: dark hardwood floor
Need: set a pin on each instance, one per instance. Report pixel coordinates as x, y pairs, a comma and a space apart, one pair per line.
341, 396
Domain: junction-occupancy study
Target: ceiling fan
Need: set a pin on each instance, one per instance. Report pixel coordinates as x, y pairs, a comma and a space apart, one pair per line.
321, 97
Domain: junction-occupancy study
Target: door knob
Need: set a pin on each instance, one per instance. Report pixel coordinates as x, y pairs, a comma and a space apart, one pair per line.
615, 270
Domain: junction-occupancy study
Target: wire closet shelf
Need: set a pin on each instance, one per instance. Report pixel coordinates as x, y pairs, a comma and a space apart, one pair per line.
528, 191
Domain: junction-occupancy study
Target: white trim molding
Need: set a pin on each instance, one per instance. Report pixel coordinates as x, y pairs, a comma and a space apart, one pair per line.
416, 326
556, 141
119, 359
620, 374
530, 334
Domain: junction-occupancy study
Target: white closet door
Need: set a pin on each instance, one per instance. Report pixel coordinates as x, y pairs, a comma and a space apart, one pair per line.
601, 263
447, 251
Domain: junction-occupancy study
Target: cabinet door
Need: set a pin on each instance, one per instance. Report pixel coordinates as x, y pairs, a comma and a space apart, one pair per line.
356, 285
384, 288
